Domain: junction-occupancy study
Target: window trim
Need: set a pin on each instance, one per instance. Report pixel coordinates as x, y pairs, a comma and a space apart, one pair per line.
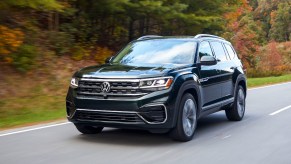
225, 53
234, 52
198, 50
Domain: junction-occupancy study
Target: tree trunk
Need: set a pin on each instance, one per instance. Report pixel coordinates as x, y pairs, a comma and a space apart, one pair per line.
141, 26
50, 21
130, 29
57, 19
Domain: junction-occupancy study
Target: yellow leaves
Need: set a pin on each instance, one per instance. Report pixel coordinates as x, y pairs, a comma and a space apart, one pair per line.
10, 40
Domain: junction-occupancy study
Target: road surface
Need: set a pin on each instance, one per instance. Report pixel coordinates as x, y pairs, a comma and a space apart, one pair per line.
263, 136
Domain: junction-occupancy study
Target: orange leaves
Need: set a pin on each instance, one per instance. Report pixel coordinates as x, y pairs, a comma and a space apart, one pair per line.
10, 40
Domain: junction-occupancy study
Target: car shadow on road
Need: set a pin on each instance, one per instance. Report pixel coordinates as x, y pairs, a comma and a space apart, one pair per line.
131, 137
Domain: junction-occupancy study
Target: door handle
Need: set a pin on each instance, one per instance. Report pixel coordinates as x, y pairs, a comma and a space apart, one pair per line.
232, 67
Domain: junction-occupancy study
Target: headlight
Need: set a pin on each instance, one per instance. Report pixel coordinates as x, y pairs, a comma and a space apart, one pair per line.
161, 83
74, 82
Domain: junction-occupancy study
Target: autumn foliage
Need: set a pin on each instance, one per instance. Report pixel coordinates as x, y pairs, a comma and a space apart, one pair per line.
94, 30
10, 40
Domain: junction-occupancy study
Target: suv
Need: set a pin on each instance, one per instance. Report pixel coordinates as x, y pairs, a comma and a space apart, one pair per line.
160, 84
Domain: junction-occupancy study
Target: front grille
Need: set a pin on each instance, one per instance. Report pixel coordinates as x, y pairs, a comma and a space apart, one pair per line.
105, 116
118, 89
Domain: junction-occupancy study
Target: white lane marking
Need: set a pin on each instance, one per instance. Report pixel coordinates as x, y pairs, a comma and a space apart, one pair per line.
48, 126
272, 85
32, 129
280, 110
225, 137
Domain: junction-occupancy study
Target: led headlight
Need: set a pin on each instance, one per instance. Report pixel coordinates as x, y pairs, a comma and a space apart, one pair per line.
74, 82
162, 83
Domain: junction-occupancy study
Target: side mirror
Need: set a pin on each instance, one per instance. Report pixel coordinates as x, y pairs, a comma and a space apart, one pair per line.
208, 60
107, 60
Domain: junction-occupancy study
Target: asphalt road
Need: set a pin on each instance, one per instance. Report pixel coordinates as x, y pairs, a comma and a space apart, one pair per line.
261, 137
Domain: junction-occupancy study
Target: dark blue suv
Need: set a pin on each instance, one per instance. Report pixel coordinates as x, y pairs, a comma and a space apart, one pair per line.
160, 84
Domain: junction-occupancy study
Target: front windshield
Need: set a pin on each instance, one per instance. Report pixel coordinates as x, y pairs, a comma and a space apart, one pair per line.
157, 51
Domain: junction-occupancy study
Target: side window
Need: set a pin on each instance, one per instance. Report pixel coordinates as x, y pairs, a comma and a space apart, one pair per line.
219, 51
230, 51
204, 49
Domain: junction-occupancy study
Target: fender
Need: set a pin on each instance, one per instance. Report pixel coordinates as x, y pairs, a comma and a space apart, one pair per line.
182, 84
240, 77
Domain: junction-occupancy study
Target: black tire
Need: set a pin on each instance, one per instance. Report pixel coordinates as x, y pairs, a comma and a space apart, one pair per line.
179, 133
237, 111
85, 129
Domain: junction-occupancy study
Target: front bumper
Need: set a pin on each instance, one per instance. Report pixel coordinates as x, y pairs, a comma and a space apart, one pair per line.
152, 111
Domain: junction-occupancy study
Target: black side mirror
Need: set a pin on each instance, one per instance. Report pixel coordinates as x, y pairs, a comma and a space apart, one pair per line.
107, 60
208, 60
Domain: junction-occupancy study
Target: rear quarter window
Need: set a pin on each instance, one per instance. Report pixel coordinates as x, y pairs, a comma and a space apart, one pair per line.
219, 51
230, 51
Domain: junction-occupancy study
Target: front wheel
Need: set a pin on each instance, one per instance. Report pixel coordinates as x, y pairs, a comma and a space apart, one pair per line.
85, 129
237, 111
187, 119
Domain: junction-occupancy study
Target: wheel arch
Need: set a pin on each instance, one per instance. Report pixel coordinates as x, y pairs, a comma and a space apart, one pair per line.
242, 81
188, 84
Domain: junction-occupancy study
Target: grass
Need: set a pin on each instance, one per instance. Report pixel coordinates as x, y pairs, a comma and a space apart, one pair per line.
255, 82
21, 111
27, 110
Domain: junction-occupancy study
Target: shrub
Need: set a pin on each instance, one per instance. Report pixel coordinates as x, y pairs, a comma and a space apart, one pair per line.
102, 53
24, 57
60, 42
79, 53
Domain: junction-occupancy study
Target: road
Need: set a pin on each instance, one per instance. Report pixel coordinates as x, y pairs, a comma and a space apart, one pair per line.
261, 137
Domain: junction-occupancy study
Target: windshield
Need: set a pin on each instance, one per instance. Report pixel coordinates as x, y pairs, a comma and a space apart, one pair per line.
157, 51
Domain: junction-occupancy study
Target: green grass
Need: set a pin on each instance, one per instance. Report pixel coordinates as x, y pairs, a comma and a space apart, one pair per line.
255, 82
27, 110
21, 111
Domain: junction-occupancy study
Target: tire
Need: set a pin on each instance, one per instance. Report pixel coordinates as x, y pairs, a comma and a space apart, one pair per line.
237, 111
187, 119
88, 129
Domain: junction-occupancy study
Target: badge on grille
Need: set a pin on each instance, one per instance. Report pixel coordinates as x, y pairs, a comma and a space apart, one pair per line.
105, 87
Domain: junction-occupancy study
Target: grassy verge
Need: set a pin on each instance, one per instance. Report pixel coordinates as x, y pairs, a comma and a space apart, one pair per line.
28, 110
21, 111
255, 82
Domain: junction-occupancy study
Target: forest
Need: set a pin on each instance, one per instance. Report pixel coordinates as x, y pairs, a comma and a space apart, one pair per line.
42, 42
87, 29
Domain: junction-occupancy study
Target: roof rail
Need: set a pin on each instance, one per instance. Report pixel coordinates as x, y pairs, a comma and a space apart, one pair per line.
148, 37
208, 35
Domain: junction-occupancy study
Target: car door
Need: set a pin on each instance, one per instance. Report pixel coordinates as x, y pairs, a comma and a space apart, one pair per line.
209, 79
225, 69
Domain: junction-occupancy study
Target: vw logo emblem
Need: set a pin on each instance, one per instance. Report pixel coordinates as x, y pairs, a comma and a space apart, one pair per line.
105, 87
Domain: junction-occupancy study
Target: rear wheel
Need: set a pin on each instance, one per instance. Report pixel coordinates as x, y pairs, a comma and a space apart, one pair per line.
237, 111
187, 119
85, 129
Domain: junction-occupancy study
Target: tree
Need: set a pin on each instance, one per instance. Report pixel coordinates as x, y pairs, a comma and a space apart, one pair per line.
281, 23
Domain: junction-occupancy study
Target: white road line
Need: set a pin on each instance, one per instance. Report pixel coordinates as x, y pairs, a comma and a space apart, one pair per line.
280, 110
272, 85
32, 129
48, 126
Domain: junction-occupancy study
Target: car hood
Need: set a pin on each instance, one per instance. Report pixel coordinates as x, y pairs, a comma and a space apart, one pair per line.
125, 71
